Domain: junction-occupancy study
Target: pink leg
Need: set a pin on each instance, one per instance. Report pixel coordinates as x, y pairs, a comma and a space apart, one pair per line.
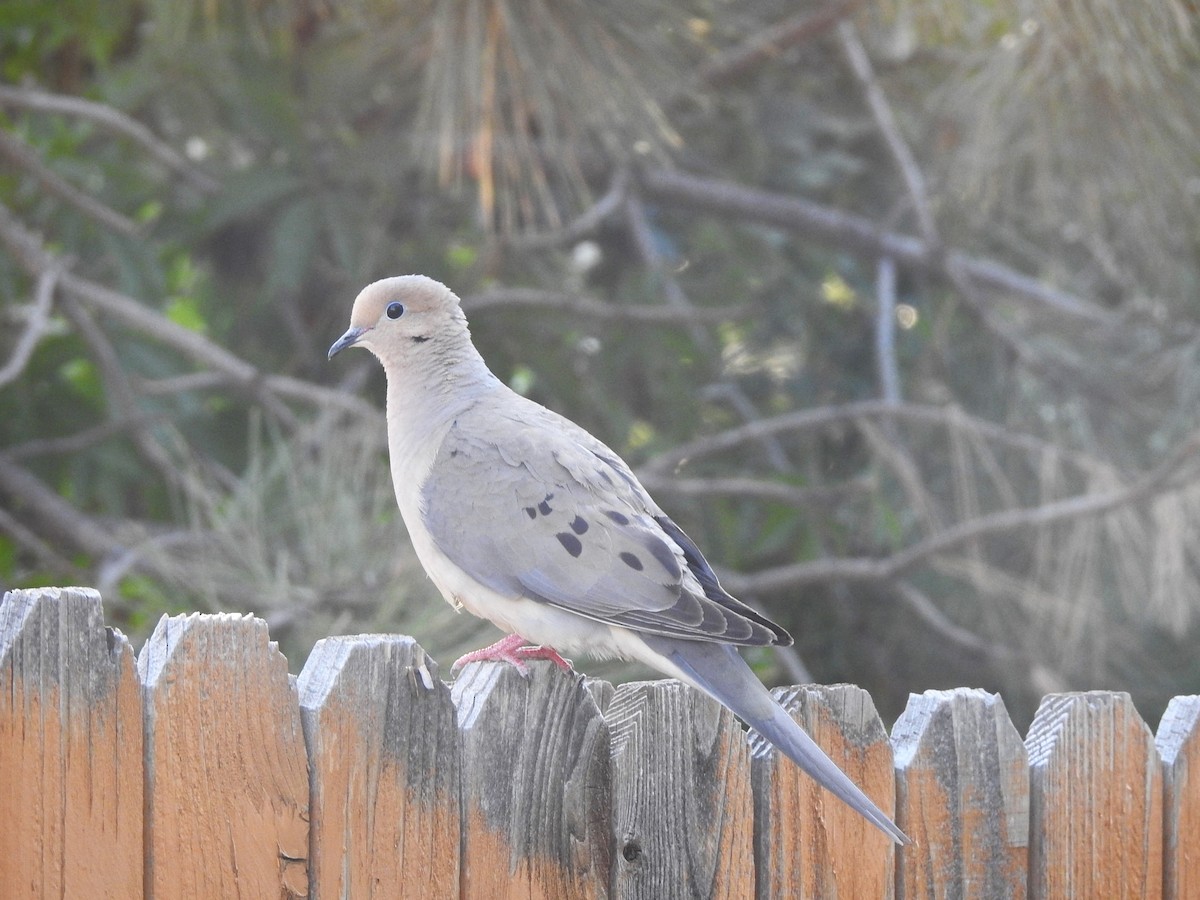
512, 649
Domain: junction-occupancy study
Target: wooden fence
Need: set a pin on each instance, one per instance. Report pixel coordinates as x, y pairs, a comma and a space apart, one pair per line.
202, 769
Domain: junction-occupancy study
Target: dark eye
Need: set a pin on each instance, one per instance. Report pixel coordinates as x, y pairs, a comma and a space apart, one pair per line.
395, 310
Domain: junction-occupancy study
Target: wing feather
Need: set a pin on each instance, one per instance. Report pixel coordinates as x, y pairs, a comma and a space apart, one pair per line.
565, 522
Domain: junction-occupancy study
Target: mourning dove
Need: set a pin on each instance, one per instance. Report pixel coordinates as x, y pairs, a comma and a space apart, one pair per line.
525, 519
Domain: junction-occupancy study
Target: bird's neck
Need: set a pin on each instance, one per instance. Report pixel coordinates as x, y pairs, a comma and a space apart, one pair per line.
428, 388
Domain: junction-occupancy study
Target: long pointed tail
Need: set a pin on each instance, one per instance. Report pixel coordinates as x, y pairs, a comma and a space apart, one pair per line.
720, 671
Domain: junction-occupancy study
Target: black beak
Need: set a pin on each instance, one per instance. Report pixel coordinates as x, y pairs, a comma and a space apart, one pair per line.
349, 339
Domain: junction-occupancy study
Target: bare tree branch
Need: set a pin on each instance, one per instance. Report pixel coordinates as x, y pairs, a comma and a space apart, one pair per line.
1158, 480
639, 227
50, 516
24, 157
35, 327
81, 440
824, 416
885, 330
112, 120
924, 607
855, 232
770, 42
751, 488
267, 390
582, 225
885, 120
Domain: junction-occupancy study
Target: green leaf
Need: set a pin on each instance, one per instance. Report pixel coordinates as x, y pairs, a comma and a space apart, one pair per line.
83, 378
185, 311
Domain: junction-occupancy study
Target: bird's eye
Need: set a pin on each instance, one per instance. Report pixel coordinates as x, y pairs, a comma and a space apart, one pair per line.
395, 310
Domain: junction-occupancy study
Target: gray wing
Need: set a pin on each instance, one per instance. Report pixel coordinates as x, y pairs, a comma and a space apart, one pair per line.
531, 505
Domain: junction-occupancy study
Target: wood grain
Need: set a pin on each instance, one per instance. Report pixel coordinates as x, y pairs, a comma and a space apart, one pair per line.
683, 812
536, 784
1178, 743
962, 788
1095, 811
70, 750
385, 768
809, 843
226, 773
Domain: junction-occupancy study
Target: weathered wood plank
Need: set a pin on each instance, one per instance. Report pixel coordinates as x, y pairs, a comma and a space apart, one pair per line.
1178, 743
809, 843
226, 773
536, 784
962, 795
70, 750
683, 814
385, 770
1095, 811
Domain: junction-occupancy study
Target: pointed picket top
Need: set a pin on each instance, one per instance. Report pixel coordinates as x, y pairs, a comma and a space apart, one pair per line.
1178, 743
962, 788
224, 747
385, 767
1095, 811
70, 749
808, 842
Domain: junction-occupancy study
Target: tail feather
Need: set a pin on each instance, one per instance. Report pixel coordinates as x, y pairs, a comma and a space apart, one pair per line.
718, 670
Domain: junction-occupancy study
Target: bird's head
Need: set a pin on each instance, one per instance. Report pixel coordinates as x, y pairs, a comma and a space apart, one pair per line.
393, 315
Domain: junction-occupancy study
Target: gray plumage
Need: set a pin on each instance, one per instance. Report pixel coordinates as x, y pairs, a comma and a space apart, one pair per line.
524, 518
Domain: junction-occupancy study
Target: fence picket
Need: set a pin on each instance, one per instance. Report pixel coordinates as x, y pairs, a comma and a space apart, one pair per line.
536, 784
1178, 743
683, 814
226, 773
808, 842
70, 750
1095, 799
385, 768
193, 771
962, 789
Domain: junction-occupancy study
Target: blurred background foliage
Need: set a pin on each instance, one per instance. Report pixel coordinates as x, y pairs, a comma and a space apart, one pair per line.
893, 305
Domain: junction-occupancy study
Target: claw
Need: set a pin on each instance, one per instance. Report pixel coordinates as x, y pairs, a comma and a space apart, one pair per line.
513, 650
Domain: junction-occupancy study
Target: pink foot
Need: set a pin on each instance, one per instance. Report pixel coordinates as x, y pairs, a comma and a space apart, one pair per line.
512, 649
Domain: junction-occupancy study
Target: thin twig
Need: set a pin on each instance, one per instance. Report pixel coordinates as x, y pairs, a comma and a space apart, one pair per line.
885, 120
80, 441
112, 120
771, 41
582, 225
885, 331
35, 326
925, 609
267, 390
638, 224
1157, 481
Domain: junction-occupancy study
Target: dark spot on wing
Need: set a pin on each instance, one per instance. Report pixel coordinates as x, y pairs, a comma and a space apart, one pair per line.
579, 525
420, 338
544, 507
661, 551
631, 560
531, 512
570, 543
619, 518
